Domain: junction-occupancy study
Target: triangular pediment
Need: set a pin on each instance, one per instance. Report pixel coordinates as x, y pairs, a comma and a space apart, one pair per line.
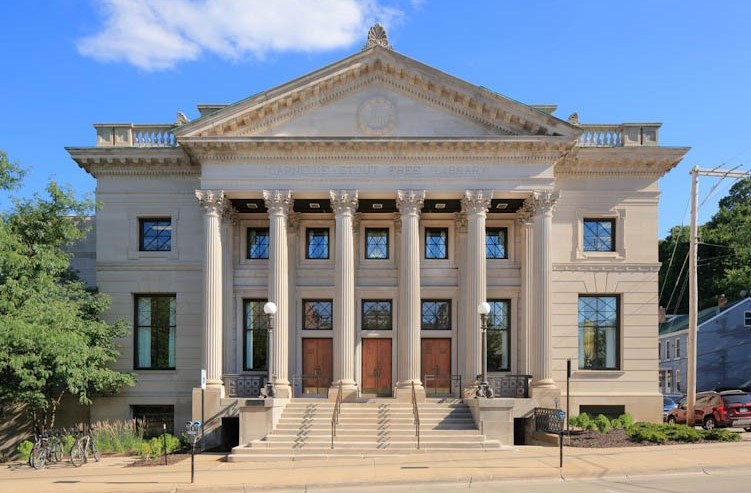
377, 93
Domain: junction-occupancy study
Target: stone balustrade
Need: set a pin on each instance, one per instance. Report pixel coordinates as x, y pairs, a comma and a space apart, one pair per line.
623, 135
134, 135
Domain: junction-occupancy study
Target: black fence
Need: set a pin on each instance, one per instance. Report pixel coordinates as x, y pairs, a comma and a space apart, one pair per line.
516, 386
549, 420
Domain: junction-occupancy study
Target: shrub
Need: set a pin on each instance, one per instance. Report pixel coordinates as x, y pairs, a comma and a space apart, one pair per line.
722, 435
582, 421
661, 433
24, 450
603, 423
118, 436
623, 422
647, 432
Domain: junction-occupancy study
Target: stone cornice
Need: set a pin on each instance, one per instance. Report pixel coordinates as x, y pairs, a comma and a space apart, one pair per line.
603, 267
500, 149
99, 161
606, 161
378, 66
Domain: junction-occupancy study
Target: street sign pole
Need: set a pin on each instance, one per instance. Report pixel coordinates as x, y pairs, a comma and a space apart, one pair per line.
203, 405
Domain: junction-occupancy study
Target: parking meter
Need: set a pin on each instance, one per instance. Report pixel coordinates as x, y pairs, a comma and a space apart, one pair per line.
192, 428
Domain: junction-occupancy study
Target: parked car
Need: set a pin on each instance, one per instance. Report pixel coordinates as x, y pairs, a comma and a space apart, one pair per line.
668, 405
717, 409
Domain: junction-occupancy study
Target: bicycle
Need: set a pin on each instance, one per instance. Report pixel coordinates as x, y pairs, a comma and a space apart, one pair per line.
38, 456
82, 447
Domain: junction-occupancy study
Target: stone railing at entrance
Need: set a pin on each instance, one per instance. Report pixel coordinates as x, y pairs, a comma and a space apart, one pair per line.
243, 385
622, 135
516, 386
133, 135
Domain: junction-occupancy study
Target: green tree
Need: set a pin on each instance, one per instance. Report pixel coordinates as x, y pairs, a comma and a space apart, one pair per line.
52, 339
723, 255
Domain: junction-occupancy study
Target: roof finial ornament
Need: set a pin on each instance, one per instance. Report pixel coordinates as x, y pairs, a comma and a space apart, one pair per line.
377, 37
573, 118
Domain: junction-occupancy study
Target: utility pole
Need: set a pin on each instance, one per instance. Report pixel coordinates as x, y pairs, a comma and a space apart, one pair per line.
693, 289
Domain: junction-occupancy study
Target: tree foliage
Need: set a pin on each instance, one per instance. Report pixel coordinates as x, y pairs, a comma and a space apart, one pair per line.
52, 339
723, 255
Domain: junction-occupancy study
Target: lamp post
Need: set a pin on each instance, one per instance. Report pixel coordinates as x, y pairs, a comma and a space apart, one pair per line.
270, 310
483, 389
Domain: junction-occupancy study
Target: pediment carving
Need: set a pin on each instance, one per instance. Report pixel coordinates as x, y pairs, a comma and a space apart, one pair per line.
395, 75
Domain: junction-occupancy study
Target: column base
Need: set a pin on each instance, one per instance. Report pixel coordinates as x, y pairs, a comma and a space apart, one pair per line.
403, 391
349, 390
210, 414
549, 397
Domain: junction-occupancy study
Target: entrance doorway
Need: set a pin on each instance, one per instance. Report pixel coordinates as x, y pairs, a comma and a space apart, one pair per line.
436, 366
376, 367
317, 366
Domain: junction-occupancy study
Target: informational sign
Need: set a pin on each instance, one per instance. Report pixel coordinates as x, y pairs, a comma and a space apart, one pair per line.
203, 379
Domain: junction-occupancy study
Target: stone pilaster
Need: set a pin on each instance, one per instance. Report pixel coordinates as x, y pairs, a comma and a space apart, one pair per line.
475, 206
230, 342
409, 203
212, 203
344, 204
544, 204
279, 205
524, 219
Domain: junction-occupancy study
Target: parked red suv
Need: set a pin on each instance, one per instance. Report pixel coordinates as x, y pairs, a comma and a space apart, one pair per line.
717, 409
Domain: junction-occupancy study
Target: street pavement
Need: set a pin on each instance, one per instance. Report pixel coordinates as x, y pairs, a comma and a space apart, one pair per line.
214, 474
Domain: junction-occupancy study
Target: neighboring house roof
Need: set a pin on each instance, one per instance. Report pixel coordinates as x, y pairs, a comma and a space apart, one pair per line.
680, 322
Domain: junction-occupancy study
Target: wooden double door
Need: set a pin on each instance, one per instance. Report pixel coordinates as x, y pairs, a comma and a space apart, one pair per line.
436, 366
376, 367
317, 366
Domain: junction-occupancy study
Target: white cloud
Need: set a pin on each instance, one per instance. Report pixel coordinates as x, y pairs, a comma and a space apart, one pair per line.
158, 34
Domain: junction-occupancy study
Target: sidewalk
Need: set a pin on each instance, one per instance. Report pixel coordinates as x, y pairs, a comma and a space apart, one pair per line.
526, 462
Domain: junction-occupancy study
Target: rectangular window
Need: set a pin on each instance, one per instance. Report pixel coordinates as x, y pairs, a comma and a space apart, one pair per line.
258, 243
155, 332
376, 315
669, 381
498, 336
152, 419
495, 242
436, 243
747, 319
659, 351
317, 243
662, 381
377, 243
599, 235
667, 350
677, 348
256, 325
598, 332
155, 234
318, 314
436, 315
678, 381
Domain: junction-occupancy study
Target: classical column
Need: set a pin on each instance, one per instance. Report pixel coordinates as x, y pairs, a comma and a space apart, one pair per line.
475, 206
344, 203
409, 203
212, 202
544, 203
524, 219
279, 204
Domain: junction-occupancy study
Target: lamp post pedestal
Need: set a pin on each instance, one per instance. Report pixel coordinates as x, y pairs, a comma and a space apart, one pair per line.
483, 388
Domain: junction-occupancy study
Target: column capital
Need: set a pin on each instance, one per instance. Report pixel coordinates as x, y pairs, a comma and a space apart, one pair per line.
476, 201
278, 201
544, 202
343, 201
526, 212
212, 201
229, 213
410, 201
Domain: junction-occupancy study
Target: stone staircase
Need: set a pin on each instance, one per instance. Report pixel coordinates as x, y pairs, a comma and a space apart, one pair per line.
370, 427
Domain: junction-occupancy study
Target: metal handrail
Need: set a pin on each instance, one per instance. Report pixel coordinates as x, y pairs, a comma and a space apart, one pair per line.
454, 381
415, 415
335, 414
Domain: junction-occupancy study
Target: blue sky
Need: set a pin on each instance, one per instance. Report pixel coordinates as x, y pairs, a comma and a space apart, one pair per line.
70, 63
